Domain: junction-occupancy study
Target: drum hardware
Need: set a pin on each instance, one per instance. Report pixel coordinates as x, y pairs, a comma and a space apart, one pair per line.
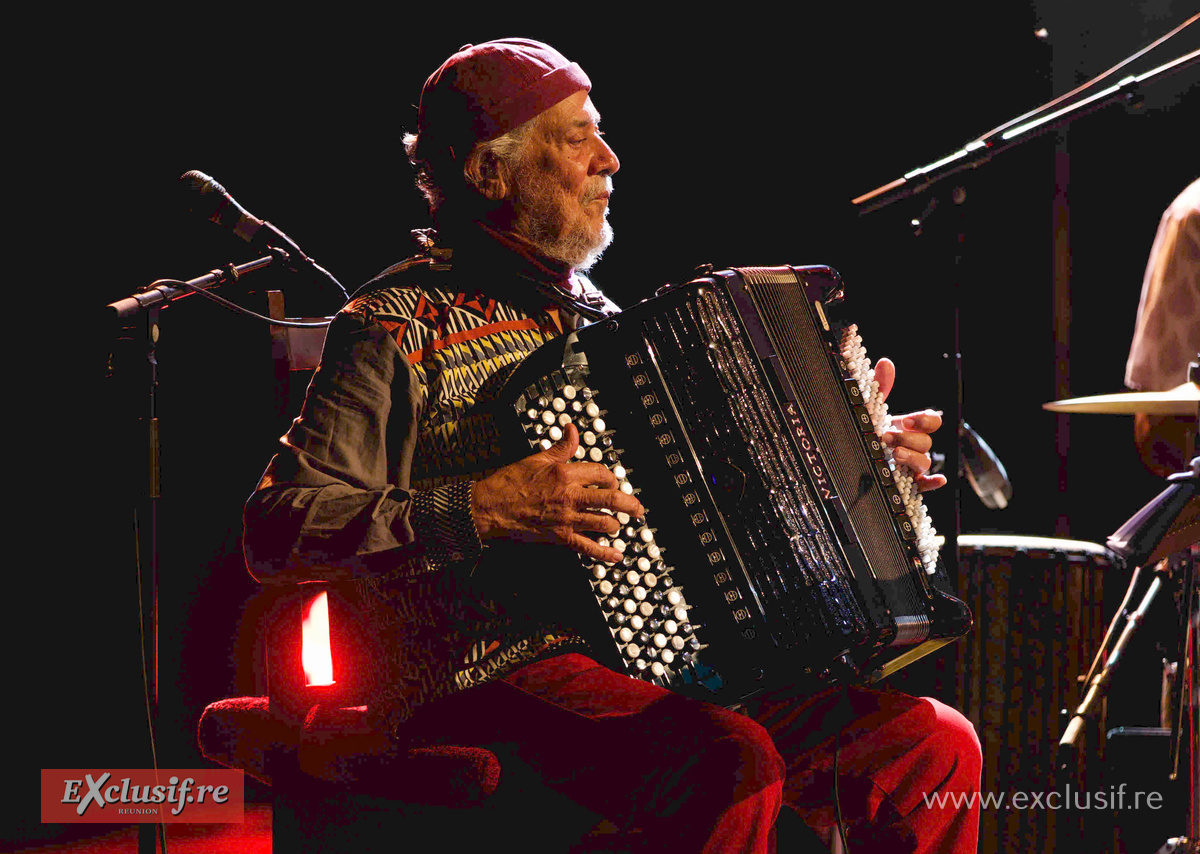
1137, 541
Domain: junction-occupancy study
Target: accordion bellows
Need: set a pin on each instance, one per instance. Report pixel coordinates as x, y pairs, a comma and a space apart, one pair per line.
781, 541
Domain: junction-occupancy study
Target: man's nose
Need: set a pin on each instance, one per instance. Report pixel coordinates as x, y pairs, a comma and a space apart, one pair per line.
605, 161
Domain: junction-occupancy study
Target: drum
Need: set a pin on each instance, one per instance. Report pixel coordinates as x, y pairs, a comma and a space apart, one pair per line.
1039, 621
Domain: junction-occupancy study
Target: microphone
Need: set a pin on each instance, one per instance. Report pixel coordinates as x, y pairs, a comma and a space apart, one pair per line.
212, 201
984, 470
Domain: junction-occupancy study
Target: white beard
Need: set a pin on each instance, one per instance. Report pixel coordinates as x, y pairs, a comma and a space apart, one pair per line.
544, 219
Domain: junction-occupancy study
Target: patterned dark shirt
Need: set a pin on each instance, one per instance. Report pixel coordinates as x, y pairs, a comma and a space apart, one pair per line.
373, 480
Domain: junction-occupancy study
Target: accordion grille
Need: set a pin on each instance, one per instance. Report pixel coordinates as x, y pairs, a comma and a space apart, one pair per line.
785, 548
804, 359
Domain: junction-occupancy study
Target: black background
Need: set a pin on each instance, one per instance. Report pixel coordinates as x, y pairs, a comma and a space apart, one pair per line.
743, 135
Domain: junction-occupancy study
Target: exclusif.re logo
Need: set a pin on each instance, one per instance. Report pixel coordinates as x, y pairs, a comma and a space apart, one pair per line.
89, 795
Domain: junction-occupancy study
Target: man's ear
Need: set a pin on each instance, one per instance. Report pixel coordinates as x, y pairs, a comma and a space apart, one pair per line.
488, 175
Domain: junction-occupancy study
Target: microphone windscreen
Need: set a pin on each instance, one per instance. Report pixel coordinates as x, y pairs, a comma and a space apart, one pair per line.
210, 200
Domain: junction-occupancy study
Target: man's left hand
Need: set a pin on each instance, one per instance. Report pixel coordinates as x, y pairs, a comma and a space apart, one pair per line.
909, 435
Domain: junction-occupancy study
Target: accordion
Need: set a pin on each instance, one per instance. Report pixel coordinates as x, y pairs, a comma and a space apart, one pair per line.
781, 541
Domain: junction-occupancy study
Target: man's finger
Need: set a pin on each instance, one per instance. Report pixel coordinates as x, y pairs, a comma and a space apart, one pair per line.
609, 499
914, 441
592, 474
598, 523
564, 448
926, 482
918, 462
592, 549
927, 421
885, 375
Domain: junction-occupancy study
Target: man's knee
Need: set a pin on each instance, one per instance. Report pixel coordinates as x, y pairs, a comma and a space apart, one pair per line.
928, 749
746, 750
957, 734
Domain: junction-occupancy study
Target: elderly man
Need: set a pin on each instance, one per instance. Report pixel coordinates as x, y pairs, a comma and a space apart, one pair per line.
390, 476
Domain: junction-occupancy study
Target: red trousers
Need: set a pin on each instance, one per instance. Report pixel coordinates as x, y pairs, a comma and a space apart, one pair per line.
706, 779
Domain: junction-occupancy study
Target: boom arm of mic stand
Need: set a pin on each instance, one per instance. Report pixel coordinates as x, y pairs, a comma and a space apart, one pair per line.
977, 152
132, 306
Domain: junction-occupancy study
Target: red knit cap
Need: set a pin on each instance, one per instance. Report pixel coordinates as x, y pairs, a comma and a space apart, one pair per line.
486, 90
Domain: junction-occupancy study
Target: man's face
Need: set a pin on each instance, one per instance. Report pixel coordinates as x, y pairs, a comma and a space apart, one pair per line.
563, 183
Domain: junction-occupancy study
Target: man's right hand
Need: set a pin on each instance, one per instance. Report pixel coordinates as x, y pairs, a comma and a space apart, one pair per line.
548, 498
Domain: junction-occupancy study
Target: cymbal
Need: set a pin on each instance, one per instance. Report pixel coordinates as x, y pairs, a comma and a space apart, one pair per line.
1181, 400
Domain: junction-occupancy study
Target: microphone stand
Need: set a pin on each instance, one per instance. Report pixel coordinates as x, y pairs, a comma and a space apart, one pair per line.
979, 151
973, 155
145, 305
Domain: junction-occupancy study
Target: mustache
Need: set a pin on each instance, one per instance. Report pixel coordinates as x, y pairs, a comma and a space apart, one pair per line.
603, 187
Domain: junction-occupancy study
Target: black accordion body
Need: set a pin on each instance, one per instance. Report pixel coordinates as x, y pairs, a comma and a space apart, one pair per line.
781, 542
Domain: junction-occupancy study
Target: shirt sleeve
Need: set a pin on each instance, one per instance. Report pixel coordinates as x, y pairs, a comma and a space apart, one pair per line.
1167, 334
335, 500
